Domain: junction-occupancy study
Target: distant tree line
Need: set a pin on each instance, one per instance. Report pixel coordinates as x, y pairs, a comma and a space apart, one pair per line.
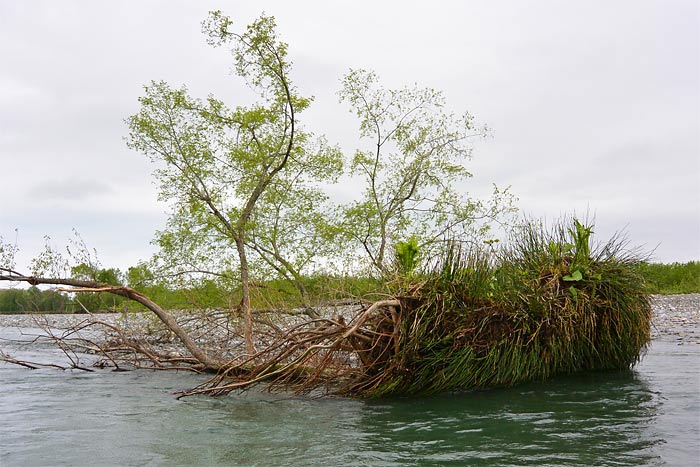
204, 294
674, 278
26, 300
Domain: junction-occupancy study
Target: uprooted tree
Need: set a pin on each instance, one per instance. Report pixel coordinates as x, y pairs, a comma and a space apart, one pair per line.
548, 304
242, 185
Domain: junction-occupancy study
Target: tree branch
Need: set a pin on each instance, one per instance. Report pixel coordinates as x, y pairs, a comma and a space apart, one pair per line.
89, 286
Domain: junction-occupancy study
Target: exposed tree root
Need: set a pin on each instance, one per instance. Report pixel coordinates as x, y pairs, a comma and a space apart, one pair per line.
327, 354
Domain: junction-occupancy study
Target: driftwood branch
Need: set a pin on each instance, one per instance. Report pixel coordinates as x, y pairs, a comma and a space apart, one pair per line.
76, 285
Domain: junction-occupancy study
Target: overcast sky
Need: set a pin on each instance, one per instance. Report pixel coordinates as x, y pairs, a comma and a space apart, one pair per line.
594, 106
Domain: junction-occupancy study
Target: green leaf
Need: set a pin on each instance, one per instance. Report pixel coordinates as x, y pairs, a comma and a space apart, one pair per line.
573, 292
574, 277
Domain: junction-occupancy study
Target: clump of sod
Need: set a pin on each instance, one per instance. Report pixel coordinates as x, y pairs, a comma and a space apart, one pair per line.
549, 303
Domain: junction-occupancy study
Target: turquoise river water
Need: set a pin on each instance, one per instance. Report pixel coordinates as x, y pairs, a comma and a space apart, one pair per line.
648, 416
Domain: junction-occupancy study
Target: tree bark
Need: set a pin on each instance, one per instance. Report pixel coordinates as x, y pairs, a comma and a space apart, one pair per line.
245, 299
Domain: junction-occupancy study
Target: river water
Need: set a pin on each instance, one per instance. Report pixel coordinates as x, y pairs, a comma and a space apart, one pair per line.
648, 416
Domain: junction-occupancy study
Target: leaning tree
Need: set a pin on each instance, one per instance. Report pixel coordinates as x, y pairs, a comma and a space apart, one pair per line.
225, 170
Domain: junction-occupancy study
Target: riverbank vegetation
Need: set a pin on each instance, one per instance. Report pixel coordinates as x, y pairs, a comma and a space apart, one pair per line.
674, 278
447, 291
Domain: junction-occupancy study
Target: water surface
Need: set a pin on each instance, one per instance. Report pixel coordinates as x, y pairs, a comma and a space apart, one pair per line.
649, 416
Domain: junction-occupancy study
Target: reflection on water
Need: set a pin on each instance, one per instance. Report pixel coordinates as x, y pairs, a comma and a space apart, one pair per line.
645, 417
585, 420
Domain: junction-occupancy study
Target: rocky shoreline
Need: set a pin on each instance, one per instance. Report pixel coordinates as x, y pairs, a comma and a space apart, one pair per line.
676, 318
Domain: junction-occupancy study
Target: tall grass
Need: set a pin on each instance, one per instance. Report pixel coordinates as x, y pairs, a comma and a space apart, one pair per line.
551, 302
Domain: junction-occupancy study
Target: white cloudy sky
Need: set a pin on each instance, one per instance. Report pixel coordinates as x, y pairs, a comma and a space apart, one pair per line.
594, 106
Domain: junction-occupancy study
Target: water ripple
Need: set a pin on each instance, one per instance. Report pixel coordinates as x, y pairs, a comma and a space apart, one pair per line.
645, 417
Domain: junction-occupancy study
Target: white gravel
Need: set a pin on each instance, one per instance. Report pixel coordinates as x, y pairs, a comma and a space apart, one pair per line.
676, 318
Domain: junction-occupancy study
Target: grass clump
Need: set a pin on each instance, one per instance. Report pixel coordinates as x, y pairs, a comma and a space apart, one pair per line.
549, 303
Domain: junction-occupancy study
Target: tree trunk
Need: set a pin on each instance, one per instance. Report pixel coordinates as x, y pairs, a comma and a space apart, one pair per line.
245, 299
